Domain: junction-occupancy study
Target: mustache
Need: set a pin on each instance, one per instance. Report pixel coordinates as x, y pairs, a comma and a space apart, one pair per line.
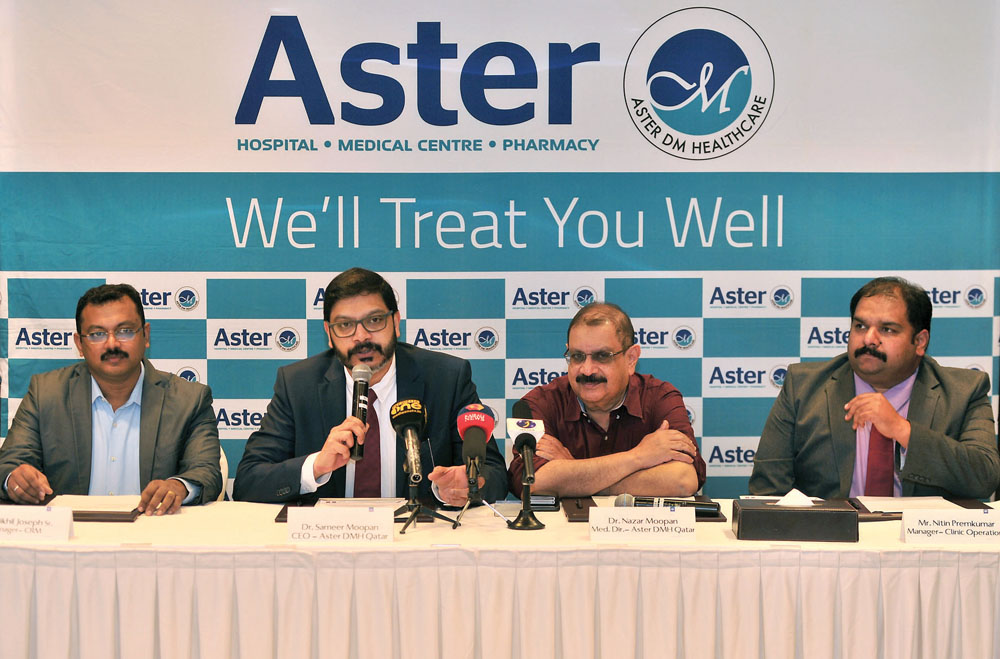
367, 345
114, 352
590, 379
868, 350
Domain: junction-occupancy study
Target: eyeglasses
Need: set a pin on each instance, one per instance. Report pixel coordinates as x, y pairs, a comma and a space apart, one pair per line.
122, 334
601, 356
345, 328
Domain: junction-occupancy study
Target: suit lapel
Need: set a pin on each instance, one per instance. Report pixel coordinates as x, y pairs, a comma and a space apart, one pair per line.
924, 397
409, 384
839, 391
81, 408
149, 420
923, 401
331, 399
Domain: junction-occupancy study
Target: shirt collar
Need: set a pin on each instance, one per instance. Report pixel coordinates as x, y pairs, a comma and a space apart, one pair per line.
383, 384
629, 400
134, 397
897, 396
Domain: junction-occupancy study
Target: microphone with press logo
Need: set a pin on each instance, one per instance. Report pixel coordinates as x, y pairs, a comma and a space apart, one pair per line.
362, 375
525, 432
408, 418
475, 424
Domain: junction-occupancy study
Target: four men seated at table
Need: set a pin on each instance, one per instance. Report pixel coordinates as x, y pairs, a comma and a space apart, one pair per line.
112, 424
608, 429
883, 419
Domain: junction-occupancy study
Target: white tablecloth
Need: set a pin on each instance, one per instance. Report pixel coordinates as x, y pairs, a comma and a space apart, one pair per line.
221, 581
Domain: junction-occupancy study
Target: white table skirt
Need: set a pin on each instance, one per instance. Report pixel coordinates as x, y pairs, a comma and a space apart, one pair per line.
221, 581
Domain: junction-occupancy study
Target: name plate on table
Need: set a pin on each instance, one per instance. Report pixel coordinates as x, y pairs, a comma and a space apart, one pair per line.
35, 523
934, 527
341, 526
650, 525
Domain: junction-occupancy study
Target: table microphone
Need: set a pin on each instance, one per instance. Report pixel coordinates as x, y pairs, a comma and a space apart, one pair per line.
362, 375
525, 432
475, 427
408, 418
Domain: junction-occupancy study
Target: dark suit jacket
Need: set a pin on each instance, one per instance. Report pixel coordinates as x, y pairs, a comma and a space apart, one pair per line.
807, 444
309, 399
52, 431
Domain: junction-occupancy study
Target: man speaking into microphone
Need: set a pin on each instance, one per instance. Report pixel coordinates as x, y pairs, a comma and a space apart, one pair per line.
303, 447
608, 429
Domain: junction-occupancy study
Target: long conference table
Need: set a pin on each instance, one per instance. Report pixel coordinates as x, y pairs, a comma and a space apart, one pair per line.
222, 580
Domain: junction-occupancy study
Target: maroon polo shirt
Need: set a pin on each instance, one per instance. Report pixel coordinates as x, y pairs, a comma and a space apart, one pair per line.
648, 402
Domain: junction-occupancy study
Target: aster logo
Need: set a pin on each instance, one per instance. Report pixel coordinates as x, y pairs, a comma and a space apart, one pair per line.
690, 414
584, 296
487, 339
288, 339
188, 373
186, 298
975, 296
782, 297
699, 83
777, 376
683, 337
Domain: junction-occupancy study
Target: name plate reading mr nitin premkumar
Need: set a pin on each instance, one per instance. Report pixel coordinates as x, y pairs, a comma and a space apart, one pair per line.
340, 526
27, 523
935, 527
648, 525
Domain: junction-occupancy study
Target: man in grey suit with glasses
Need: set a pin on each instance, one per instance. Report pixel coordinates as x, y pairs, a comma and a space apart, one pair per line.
112, 424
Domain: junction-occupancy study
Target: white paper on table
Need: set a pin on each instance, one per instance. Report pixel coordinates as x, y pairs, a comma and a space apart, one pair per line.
899, 504
123, 503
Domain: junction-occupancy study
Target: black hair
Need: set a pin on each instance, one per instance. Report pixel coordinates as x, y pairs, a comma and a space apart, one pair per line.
358, 281
105, 293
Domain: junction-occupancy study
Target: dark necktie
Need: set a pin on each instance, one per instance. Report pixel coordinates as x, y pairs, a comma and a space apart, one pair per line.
881, 463
368, 472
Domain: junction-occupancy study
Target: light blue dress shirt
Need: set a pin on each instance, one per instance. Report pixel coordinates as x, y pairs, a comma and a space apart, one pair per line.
114, 453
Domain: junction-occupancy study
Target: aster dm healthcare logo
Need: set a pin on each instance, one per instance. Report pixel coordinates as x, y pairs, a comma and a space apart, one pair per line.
186, 298
699, 83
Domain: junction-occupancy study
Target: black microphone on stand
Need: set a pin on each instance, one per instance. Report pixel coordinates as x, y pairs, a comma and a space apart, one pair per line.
475, 424
408, 418
525, 432
362, 375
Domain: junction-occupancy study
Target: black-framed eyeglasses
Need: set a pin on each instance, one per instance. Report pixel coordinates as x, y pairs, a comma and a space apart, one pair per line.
122, 334
601, 356
346, 328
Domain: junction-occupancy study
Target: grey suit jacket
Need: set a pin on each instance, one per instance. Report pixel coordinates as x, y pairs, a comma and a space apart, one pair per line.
52, 431
309, 399
807, 444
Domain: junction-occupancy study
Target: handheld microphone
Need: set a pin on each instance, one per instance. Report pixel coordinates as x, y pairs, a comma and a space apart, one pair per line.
362, 375
475, 427
703, 507
408, 418
525, 432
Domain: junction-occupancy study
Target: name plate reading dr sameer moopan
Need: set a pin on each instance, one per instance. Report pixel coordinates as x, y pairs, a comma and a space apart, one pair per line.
935, 527
648, 525
340, 525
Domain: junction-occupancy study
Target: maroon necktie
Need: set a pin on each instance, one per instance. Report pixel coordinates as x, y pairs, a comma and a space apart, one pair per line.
368, 472
881, 463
